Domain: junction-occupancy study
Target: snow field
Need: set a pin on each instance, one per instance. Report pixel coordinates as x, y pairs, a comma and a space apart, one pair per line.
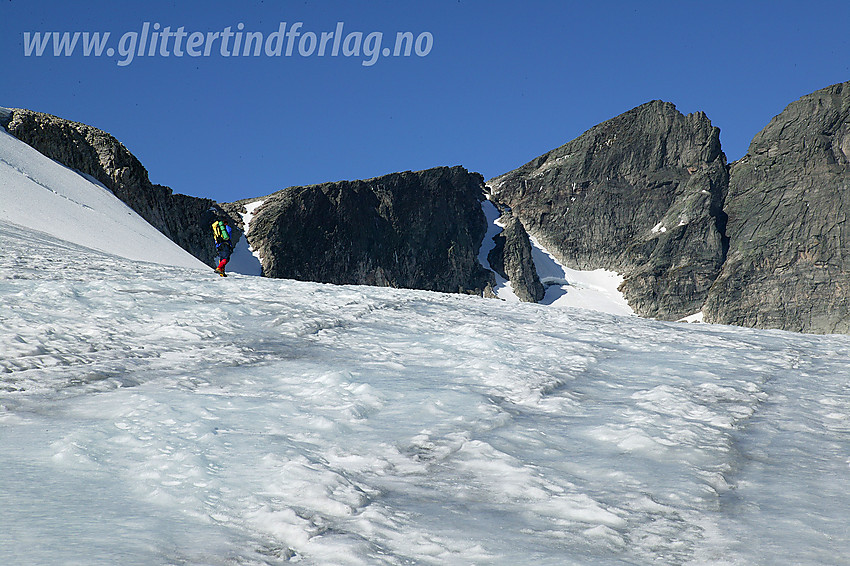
152, 416
594, 289
41, 194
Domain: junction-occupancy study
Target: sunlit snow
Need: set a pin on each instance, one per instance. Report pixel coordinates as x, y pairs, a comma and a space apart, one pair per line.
696, 317
594, 289
159, 415
503, 289
565, 287
41, 194
246, 260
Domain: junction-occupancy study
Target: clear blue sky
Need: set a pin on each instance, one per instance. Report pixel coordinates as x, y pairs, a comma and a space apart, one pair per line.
503, 82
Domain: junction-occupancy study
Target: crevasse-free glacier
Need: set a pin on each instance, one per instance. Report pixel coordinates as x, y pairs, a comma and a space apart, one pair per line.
160, 415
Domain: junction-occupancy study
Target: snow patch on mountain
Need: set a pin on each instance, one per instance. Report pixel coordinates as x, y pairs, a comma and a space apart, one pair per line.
596, 289
696, 317
246, 260
503, 288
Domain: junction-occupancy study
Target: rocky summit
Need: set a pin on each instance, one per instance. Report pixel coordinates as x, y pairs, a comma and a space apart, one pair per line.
640, 194
789, 256
419, 230
762, 242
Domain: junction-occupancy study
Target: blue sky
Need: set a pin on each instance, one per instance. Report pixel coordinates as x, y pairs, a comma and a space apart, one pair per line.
502, 83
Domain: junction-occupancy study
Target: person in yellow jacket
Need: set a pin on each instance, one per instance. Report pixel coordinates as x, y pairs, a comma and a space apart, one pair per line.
223, 244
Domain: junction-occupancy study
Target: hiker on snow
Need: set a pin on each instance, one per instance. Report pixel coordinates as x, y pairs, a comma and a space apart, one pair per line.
223, 245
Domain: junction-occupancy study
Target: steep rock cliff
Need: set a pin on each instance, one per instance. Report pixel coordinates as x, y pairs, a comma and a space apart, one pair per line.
419, 230
511, 258
788, 265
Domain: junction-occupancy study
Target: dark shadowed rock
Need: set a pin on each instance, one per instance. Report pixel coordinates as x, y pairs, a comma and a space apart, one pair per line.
417, 230
788, 265
511, 258
96, 153
641, 194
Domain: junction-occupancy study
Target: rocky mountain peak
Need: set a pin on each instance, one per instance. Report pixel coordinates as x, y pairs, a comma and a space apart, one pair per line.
764, 242
418, 230
640, 194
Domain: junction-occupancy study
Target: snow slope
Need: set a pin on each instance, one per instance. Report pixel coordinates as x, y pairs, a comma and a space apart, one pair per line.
41, 194
162, 417
565, 287
244, 259
595, 290
503, 288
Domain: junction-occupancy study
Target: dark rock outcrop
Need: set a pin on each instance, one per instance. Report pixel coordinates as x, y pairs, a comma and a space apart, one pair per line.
641, 194
788, 265
96, 153
511, 258
417, 230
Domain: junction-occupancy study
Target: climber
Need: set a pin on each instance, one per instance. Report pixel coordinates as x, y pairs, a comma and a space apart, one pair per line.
223, 245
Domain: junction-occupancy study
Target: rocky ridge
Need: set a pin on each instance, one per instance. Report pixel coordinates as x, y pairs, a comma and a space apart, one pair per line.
788, 265
96, 153
511, 258
760, 242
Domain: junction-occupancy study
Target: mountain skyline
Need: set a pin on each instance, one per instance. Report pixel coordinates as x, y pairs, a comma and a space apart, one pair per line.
502, 82
647, 195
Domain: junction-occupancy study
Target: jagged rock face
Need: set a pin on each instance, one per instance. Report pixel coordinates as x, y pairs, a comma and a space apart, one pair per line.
788, 265
96, 153
511, 258
417, 230
641, 194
